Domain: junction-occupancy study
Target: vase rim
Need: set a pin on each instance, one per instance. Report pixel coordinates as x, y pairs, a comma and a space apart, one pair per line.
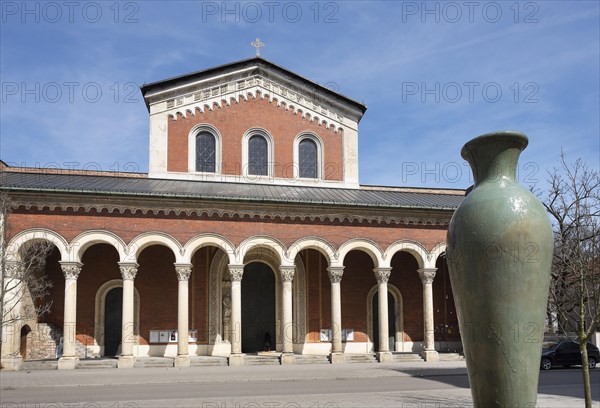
519, 139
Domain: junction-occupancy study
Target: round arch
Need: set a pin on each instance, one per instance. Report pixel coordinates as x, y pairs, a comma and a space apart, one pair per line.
316, 139
365, 245
203, 240
414, 248
86, 239
316, 243
271, 244
142, 241
13, 250
435, 253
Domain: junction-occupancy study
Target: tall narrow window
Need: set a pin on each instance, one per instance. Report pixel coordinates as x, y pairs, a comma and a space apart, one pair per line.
258, 156
307, 159
205, 152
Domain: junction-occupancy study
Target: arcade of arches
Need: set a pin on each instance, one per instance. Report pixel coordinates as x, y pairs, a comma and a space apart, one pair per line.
113, 299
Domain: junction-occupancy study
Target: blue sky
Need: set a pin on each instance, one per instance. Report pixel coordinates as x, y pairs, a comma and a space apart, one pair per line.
433, 75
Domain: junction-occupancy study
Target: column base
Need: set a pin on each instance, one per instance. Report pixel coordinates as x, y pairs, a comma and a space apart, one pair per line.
67, 363
337, 358
182, 361
11, 363
385, 357
236, 360
430, 355
288, 358
126, 362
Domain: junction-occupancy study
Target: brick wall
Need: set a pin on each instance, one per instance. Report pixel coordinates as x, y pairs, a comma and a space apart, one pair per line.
235, 120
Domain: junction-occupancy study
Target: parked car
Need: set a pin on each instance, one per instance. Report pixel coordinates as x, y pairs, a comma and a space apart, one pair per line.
566, 353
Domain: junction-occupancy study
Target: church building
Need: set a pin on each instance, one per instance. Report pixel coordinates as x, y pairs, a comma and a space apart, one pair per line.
249, 238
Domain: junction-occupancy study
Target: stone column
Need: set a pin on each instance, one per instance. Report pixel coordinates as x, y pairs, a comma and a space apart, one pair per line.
183, 276
335, 276
427, 275
287, 329
128, 272
383, 275
236, 272
11, 335
69, 357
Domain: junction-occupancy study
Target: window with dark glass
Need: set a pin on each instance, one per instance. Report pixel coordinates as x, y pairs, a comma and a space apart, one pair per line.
258, 156
307, 159
206, 152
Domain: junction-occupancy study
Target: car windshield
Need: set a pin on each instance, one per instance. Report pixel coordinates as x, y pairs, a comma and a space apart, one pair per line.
549, 344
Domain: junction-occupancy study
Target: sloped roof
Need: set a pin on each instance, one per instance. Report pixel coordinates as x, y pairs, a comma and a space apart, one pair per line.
234, 66
241, 192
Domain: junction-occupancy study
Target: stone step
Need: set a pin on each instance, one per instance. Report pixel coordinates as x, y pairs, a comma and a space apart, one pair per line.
407, 357
451, 357
261, 360
311, 359
97, 363
360, 358
207, 361
154, 362
32, 365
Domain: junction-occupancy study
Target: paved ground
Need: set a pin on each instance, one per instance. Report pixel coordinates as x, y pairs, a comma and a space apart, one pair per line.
407, 385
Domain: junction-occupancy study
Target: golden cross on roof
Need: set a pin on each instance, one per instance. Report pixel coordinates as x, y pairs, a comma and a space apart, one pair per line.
258, 44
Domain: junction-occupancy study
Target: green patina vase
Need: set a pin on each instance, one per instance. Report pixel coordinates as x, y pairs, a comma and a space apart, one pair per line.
499, 256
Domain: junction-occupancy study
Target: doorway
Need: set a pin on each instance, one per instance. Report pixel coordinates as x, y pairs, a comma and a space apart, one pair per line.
113, 315
258, 308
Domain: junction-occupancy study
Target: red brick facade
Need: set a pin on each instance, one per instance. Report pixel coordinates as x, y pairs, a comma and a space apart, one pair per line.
97, 234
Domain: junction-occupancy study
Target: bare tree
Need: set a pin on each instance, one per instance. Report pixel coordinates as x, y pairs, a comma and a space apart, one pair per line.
573, 202
23, 283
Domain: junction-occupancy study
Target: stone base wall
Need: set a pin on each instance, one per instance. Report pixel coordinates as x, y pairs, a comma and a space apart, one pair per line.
42, 341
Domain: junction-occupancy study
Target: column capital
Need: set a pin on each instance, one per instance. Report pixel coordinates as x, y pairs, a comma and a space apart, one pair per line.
13, 269
183, 271
236, 272
335, 273
287, 272
71, 269
128, 270
382, 274
427, 275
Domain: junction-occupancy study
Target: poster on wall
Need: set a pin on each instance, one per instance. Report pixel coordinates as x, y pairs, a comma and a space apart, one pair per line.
193, 336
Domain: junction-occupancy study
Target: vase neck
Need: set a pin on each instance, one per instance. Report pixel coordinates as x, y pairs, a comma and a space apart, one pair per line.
493, 157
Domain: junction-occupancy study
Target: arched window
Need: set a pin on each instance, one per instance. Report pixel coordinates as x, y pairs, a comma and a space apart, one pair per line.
308, 162
206, 152
258, 156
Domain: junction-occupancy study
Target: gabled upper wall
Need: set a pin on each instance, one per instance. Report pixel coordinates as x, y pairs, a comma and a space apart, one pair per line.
233, 102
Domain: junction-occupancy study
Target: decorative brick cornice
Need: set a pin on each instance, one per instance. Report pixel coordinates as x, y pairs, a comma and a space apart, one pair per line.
274, 213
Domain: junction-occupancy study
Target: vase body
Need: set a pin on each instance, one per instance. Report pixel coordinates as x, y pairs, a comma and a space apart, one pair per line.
499, 254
